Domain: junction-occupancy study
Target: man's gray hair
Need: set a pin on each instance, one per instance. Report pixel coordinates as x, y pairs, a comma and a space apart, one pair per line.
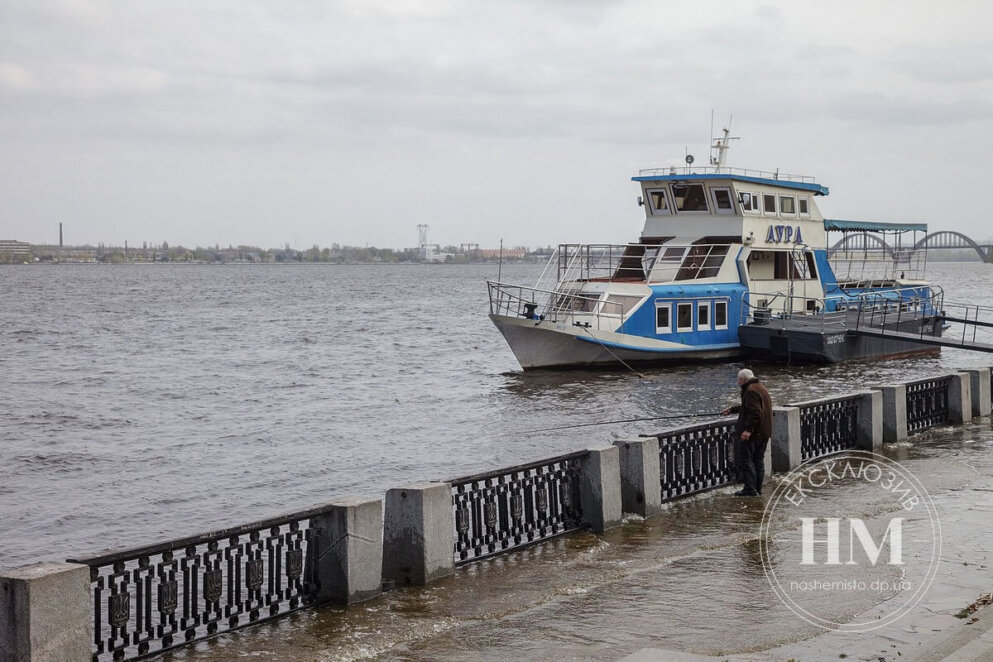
746, 374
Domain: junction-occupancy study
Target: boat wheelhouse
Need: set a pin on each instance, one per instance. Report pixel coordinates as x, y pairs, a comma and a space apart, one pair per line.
721, 249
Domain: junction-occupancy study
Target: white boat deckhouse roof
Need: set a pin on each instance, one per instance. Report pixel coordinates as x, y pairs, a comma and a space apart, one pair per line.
801, 183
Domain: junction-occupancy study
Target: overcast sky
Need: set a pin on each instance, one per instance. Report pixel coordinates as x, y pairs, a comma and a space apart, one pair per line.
266, 123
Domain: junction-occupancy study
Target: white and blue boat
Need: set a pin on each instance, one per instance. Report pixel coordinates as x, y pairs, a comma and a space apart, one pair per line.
729, 261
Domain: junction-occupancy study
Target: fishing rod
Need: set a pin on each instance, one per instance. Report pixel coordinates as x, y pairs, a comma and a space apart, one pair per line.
626, 420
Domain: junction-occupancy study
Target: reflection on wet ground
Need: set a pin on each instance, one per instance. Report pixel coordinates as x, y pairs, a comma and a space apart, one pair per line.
690, 579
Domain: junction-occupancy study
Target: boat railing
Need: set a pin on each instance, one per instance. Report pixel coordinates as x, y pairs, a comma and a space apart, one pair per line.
643, 263
835, 314
724, 170
781, 310
589, 311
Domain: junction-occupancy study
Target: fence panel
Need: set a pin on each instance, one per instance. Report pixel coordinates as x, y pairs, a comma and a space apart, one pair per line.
502, 510
696, 458
152, 599
828, 426
927, 403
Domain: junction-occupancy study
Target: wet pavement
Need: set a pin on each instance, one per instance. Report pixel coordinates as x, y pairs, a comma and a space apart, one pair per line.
689, 580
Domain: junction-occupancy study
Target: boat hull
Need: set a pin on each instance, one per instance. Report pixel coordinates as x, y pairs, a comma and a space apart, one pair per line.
798, 345
545, 344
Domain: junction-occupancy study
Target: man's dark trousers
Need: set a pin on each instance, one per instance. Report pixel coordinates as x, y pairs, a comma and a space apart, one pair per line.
751, 464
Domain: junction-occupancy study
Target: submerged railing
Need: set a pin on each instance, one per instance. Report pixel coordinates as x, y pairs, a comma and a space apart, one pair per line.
696, 458
155, 598
502, 510
828, 426
927, 403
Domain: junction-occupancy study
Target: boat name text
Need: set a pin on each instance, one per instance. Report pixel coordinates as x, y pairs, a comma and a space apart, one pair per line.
784, 234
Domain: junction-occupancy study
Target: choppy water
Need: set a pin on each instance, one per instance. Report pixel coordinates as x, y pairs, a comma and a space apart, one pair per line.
145, 402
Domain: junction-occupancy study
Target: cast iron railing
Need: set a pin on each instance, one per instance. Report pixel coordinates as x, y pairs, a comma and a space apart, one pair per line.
927, 403
151, 599
696, 458
828, 426
501, 510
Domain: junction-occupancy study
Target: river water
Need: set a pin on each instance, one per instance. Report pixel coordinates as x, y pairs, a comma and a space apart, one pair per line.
150, 402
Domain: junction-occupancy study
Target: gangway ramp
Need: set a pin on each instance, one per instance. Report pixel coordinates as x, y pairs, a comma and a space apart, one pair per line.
921, 339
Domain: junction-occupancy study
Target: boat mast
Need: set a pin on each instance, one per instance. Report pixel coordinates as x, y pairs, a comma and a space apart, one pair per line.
719, 149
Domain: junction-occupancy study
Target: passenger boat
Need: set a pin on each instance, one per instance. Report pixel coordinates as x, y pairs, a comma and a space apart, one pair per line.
729, 261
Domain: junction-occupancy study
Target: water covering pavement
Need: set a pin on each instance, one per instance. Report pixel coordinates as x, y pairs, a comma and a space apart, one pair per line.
689, 579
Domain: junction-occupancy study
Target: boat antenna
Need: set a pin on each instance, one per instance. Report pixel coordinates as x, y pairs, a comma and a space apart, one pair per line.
500, 263
721, 144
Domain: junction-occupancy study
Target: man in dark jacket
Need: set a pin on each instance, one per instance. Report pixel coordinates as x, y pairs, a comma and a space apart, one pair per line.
755, 429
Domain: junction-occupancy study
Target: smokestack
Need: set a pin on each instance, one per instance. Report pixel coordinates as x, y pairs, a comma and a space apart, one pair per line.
60, 235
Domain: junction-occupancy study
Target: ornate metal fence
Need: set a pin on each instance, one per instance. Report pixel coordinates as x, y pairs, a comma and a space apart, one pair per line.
927, 403
506, 509
828, 426
155, 598
696, 458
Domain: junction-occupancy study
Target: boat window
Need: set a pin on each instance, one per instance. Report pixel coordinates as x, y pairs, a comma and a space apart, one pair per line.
619, 304
580, 303
703, 316
748, 201
803, 205
722, 200
702, 261
663, 322
811, 266
684, 317
795, 266
769, 203
689, 197
787, 204
658, 200
720, 314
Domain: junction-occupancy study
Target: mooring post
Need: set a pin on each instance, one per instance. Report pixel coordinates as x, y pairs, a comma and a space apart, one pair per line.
348, 551
418, 533
894, 412
870, 421
641, 483
45, 613
959, 398
787, 449
600, 488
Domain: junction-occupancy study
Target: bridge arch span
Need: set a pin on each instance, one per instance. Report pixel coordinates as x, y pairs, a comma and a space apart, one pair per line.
859, 241
952, 239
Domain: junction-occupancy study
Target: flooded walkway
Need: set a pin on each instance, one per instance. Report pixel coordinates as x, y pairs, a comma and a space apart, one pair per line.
689, 580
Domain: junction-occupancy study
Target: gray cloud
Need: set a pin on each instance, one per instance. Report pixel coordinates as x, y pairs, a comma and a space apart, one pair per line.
247, 122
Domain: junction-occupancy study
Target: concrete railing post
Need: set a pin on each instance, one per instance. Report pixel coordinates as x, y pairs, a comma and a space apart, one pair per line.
348, 551
641, 484
959, 398
870, 421
418, 533
600, 488
894, 412
979, 387
45, 613
786, 443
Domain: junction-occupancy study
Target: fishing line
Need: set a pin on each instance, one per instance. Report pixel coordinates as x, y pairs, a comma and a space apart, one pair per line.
626, 420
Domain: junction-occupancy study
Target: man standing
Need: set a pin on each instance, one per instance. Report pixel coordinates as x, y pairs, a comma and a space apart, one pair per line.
755, 428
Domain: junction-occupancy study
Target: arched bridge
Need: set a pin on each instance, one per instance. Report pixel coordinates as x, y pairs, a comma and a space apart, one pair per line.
945, 239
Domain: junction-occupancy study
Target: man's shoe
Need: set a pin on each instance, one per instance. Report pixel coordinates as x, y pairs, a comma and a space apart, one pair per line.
746, 493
